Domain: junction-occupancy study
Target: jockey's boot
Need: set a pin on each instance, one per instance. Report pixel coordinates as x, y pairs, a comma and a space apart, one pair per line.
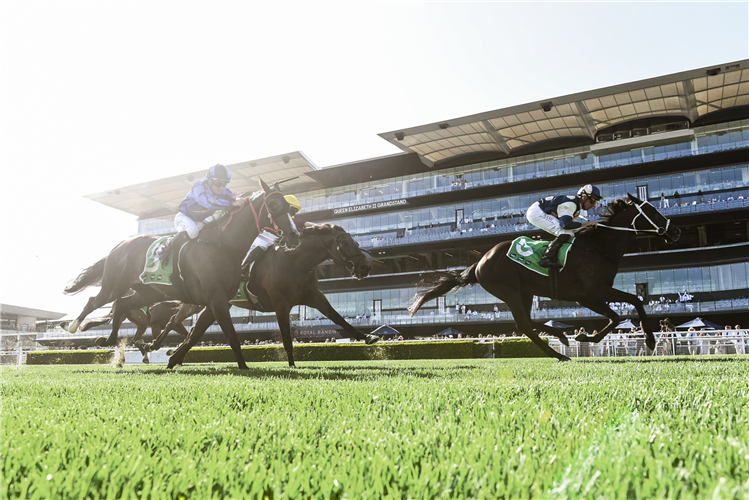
172, 246
549, 258
251, 257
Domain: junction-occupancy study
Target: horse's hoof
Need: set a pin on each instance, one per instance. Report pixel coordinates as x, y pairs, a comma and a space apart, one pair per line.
371, 339
582, 338
563, 358
650, 343
146, 360
170, 352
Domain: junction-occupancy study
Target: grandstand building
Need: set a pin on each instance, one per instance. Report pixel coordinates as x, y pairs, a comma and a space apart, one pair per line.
460, 186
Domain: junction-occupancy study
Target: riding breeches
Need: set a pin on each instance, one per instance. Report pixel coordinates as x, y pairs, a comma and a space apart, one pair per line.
548, 223
264, 240
183, 223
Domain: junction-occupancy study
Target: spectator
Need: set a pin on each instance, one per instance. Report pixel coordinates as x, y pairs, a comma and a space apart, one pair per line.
694, 345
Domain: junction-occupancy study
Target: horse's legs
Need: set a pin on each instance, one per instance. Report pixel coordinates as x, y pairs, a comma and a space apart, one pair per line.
320, 302
608, 294
284, 324
205, 320
220, 307
105, 296
522, 317
527, 304
121, 308
175, 323
603, 308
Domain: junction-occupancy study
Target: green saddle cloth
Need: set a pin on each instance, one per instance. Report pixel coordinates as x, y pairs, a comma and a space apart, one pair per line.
245, 298
528, 252
154, 271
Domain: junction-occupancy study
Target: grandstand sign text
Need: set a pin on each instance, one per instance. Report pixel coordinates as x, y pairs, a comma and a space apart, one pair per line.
370, 206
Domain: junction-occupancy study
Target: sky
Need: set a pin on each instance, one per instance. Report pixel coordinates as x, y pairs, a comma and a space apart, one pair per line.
100, 95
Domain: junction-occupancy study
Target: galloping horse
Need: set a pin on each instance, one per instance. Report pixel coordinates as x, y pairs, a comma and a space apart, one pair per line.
286, 278
587, 278
206, 270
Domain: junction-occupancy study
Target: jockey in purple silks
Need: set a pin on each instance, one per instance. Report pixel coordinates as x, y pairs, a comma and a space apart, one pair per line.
206, 197
558, 215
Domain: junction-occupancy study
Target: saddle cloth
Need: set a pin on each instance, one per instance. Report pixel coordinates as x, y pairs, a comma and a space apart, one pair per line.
154, 271
245, 298
528, 252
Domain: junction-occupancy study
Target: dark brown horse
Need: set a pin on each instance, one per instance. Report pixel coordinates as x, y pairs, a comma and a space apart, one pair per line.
587, 278
206, 269
283, 279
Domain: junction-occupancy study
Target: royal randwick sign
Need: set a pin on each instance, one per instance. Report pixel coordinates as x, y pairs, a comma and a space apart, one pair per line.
370, 206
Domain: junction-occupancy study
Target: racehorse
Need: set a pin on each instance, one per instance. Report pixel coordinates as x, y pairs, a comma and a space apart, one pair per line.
155, 317
587, 278
284, 279
206, 269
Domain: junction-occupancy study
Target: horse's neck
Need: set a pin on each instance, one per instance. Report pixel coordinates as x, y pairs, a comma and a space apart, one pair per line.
612, 243
237, 230
310, 253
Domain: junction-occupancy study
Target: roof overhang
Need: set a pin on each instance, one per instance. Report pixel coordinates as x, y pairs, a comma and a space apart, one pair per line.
9, 310
577, 118
162, 197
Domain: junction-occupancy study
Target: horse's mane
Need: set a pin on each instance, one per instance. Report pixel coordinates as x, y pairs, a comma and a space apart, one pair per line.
612, 211
321, 230
219, 221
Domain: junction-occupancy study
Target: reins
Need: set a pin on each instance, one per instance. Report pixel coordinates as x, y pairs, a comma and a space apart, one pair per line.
257, 214
656, 228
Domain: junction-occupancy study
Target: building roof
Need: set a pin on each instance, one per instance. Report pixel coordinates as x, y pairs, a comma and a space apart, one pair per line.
163, 196
574, 120
8, 310
577, 118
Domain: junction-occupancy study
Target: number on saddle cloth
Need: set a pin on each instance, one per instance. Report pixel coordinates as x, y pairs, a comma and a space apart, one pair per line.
528, 252
154, 271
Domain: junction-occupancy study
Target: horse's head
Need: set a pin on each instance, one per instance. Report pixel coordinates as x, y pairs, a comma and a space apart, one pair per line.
344, 250
280, 214
649, 219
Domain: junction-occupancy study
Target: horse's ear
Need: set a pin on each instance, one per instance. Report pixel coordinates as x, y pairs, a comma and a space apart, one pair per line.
634, 199
264, 186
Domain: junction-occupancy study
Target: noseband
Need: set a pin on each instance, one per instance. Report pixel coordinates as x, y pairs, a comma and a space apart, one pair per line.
656, 228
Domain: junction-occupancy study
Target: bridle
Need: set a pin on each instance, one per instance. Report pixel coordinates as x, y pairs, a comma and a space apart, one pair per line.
656, 228
258, 213
350, 264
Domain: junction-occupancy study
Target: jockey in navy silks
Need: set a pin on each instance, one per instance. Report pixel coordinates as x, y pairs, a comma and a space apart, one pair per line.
206, 197
558, 215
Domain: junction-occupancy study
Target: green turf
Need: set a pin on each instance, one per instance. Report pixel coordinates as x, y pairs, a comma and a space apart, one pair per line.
398, 429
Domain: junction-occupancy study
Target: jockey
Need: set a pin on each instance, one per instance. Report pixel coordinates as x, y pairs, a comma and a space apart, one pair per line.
558, 215
206, 197
265, 240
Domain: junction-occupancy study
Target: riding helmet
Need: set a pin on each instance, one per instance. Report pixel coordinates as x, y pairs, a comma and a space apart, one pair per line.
293, 201
591, 192
219, 173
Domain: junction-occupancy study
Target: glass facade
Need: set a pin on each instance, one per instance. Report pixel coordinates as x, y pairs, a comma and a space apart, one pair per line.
688, 185
707, 139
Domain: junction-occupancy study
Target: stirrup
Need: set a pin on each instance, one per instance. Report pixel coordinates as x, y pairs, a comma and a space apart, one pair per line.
544, 262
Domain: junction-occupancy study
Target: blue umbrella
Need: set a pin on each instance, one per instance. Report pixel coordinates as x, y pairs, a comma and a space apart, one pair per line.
449, 331
627, 323
701, 323
385, 330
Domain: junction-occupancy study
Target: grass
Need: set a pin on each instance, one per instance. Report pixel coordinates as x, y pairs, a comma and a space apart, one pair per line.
398, 429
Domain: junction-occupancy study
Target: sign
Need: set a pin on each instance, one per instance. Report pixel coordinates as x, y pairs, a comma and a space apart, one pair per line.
370, 206
318, 332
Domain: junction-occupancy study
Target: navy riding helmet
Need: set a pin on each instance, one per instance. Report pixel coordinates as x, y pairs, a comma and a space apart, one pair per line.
591, 192
219, 173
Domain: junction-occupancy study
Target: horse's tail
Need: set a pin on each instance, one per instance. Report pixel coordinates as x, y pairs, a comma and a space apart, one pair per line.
104, 320
89, 277
442, 282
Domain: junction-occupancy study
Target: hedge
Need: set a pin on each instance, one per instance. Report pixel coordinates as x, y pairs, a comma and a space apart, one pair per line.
454, 349
101, 356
